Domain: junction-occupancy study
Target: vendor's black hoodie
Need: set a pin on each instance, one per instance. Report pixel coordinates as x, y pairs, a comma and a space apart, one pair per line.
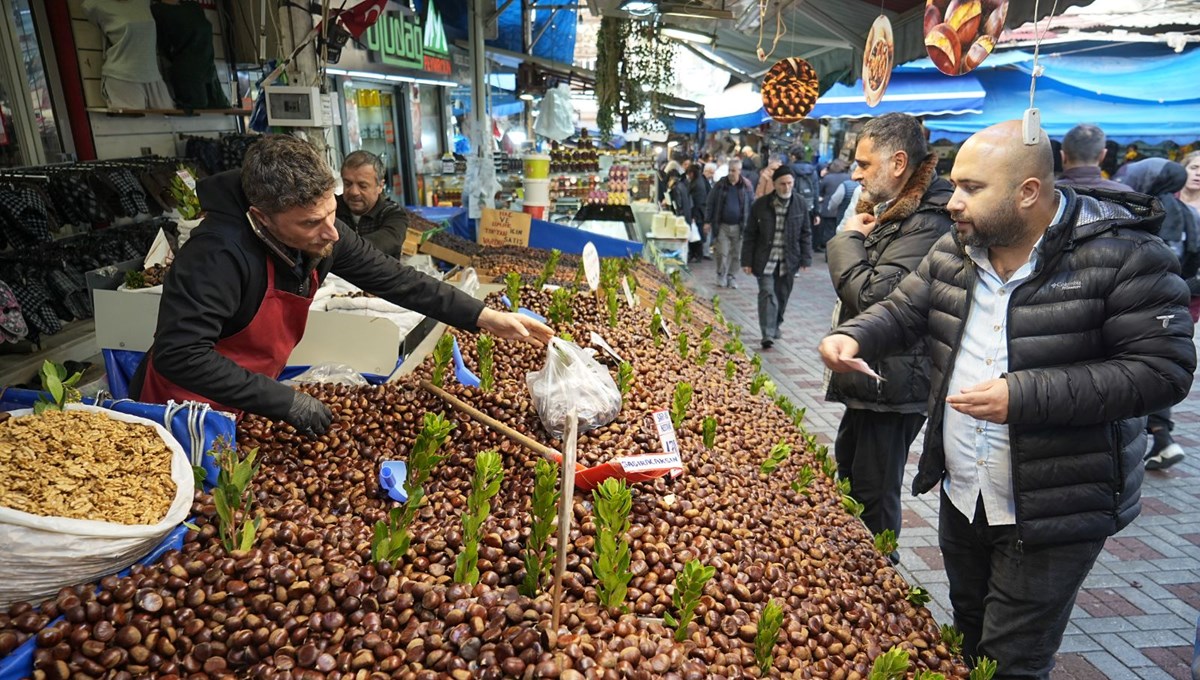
218, 280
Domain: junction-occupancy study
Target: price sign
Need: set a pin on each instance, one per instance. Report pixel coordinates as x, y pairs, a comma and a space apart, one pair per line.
591, 265
187, 179
599, 341
504, 228
666, 432
628, 293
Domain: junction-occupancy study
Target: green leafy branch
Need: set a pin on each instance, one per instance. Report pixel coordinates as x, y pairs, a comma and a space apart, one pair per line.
233, 497
624, 378
885, 542
485, 484
443, 352
683, 344
891, 665
679, 403
952, 638
512, 289
549, 269
767, 635
560, 311
61, 388
985, 669
804, 480
391, 539
730, 369
485, 346
689, 586
918, 596
779, 453
612, 503
709, 431
539, 553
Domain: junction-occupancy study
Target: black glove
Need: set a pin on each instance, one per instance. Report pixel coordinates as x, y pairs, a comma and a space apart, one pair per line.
309, 415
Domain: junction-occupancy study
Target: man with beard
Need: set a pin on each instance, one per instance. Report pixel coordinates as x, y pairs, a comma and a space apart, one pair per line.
901, 214
365, 208
235, 302
1056, 321
777, 244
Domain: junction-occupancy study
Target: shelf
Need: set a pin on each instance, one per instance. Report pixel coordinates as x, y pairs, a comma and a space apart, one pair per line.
135, 113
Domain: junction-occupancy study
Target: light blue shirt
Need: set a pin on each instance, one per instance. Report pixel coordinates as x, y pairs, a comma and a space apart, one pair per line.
978, 460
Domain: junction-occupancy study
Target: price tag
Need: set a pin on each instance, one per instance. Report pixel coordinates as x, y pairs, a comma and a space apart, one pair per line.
628, 293
599, 342
591, 265
666, 432
652, 463
665, 327
187, 178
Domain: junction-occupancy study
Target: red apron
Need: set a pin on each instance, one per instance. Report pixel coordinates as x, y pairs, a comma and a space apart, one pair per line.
263, 346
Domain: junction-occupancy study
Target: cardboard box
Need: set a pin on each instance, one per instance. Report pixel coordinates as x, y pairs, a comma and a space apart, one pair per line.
412, 242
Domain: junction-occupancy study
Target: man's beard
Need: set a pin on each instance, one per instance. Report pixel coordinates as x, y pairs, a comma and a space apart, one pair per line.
323, 251
782, 196
1001, 229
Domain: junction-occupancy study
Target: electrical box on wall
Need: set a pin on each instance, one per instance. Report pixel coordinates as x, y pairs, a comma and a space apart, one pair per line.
298, 107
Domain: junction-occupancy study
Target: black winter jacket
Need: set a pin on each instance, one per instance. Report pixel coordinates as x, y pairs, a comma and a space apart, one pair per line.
383, 226
759, 235
699, 189
217, 282
716, 201
865, 270
681, 199
1098, 337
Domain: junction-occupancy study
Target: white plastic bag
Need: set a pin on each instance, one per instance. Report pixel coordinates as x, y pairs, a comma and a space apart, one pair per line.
40, 554
572, 380
556, 117
340, 374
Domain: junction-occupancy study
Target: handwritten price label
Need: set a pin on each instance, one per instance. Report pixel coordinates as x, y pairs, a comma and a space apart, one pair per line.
504, 228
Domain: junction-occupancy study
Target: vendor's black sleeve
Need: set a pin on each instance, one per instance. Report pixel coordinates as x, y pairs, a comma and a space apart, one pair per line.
202, 293
374, 272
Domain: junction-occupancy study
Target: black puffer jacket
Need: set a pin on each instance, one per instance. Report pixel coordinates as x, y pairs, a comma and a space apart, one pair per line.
1098, 337
759, 236
865, 271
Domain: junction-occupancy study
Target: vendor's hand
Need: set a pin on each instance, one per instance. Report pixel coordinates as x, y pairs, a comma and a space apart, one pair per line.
836, 350
308, 415
510, 326
986, 401
863, 223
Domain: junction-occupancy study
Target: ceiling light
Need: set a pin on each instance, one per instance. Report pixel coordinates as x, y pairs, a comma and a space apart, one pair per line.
686, 35
640, 8
525, 96
735, 131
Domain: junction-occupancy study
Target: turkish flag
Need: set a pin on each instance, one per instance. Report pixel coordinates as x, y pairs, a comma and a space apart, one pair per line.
362, 16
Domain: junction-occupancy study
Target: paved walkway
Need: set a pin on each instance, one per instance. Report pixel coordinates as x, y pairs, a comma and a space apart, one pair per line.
1135, 617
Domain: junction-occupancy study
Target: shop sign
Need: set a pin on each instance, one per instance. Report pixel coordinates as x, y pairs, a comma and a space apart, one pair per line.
504, 228
405, 41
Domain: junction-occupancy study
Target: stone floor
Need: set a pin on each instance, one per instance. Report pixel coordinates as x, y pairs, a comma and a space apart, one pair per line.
1135, 617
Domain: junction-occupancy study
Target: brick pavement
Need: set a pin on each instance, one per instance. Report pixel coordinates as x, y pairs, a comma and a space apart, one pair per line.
1135, 617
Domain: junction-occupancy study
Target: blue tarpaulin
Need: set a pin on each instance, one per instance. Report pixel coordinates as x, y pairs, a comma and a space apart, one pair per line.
687, 126
1132, 94
548, 235
914, 93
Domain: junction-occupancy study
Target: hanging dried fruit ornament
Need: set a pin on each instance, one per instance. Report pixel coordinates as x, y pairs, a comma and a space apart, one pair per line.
878, 59
960, 34
790, 89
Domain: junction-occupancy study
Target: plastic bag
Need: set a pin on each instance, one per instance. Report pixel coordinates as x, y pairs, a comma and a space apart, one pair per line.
572, 380
556, 117
43, 554
339, 374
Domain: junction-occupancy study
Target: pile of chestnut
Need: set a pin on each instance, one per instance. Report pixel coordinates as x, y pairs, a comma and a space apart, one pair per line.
309, 601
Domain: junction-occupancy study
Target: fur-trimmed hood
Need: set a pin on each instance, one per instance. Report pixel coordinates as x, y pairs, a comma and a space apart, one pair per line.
912, 195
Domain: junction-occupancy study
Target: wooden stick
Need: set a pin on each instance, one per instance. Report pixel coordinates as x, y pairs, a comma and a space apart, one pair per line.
491, 422
566, 510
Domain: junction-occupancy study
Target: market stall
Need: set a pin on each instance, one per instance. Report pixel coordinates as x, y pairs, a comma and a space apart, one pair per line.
746, 523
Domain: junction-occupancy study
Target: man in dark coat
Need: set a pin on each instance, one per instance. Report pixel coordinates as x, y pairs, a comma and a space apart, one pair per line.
1056, 321
776, 245
364, 207
828, 209
1082, 153
726, 212
901, 215
235, 302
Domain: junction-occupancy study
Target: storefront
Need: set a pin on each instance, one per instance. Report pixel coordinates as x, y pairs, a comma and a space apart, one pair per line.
29, 128
394, 96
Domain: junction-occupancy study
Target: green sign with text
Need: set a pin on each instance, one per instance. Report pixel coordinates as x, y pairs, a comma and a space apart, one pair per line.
408, 42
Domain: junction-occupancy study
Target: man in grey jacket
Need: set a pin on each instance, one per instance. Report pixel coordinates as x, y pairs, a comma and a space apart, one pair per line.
901, 215
728, 209
1056, 321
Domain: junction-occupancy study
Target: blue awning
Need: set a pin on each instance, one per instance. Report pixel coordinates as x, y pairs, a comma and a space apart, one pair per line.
1063, 106
687, 126
914, 93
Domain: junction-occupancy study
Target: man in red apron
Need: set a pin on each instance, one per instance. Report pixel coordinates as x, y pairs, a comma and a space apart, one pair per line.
235, 301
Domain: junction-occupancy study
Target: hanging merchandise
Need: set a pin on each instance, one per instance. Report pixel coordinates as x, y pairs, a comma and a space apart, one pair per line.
960, 34
556, 117
129, 75
185, 38
790, 89
878, 59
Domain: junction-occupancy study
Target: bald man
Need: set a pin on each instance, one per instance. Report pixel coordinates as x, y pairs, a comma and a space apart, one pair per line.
1055, 321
